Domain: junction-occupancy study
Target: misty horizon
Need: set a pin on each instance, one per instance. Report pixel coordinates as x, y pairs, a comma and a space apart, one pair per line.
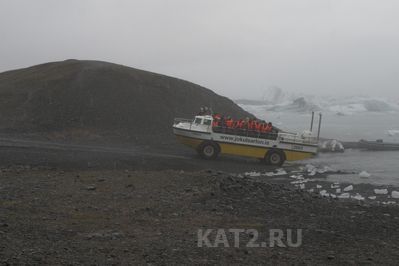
324, 48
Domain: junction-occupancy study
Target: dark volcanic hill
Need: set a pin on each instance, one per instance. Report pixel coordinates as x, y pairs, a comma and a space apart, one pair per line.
101, 98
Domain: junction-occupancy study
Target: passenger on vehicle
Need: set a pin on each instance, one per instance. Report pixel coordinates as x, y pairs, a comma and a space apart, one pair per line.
201, 112
229, 122
244, 124
258, 125
264, 128
216, 116
237, 124
215, 122
252, 125
269, 127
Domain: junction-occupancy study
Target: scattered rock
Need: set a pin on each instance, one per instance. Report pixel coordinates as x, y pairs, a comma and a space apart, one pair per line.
330, 257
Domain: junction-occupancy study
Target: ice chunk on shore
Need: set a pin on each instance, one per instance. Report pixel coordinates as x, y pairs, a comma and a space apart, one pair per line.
334, 185
319, 186
364, 174
348, 188
325, 169
395, 194
310, 167
358, 197
388, 202
344, 196
280, 171
372, 197
312, 173
300, 181
252, 174
324, 193
381, 191
338, 190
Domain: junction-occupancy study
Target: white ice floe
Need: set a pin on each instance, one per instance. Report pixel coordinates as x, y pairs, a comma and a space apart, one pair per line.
324, 193
300, 181
348, 188
364, 174
252, 174
388, 202
333, 195
358, 197
325, 169
372, 197
338, 190
312, 173
268, 174
334, 185
319, 186
381, 191
297, 176
344, 196
310, 167
313, 170
280, 171
395, 194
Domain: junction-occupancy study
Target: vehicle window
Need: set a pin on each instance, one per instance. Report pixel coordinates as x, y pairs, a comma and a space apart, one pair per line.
197, 120
207, 122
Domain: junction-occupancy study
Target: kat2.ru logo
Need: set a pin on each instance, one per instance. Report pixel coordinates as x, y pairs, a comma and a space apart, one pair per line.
250, 238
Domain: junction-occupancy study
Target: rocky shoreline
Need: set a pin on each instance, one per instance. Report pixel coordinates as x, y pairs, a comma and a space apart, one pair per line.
79, 204
54, 216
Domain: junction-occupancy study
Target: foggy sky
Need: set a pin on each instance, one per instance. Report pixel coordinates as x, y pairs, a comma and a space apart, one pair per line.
236, 48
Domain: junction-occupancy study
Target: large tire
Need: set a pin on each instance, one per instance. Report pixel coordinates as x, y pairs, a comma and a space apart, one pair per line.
208, 150
275, 158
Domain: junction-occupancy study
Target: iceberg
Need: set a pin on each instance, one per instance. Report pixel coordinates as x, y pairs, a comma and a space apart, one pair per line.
393, 132
364, 174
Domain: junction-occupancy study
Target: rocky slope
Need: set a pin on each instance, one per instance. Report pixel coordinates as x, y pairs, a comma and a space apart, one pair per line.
100, 98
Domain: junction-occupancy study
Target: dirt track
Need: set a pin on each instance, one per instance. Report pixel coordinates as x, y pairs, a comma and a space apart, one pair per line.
73, 205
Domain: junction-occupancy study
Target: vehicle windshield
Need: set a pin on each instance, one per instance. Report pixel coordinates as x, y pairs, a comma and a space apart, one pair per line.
207, 122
